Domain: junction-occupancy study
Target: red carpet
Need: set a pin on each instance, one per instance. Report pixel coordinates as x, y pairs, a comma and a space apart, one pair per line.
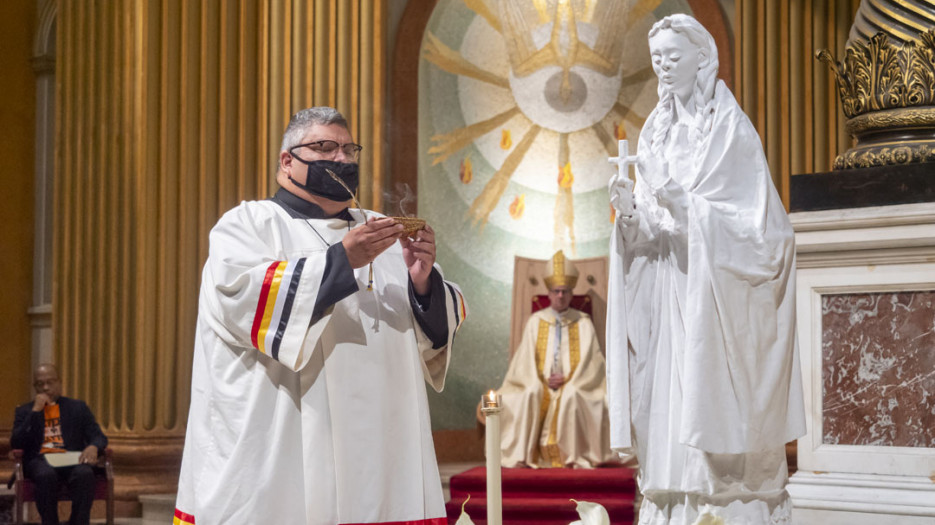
542, 496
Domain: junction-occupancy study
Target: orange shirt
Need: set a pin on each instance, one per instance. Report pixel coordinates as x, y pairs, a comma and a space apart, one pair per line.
53, 441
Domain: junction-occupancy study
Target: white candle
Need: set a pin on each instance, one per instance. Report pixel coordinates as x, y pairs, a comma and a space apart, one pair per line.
491, 408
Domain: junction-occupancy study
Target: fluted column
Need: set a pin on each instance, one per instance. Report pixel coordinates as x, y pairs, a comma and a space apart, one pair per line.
169, 112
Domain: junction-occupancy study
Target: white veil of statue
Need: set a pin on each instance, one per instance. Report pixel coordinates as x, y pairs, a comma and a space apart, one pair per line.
702, 362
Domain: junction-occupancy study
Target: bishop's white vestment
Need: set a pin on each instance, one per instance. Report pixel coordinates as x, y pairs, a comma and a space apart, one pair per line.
308, 404
555, 428
703, 370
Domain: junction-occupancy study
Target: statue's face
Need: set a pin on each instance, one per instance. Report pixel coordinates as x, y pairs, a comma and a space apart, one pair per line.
676, 61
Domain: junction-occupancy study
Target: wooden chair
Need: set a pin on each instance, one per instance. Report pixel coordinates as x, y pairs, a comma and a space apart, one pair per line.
25, 491
530, 293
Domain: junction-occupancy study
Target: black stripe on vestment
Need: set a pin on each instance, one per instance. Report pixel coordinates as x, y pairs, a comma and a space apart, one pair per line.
287, 307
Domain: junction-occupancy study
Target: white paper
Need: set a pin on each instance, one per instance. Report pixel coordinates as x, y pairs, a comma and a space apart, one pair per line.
63, 459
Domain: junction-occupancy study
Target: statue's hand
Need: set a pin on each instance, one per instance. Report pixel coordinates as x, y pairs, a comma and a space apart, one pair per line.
621, 196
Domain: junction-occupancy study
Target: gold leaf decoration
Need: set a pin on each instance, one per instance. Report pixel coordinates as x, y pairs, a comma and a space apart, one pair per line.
879, 75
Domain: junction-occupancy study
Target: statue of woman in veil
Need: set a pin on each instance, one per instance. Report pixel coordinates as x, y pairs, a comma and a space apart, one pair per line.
703, 372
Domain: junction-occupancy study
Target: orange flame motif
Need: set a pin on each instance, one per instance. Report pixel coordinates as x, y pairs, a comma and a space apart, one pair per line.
613, 214
466, 172
518, 206
565, 178
506, 141
620, 131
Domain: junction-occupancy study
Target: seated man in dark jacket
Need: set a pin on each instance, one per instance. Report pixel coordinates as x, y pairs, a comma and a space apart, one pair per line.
52, 424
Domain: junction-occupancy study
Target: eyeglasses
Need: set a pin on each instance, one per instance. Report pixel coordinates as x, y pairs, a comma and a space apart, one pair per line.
329, 149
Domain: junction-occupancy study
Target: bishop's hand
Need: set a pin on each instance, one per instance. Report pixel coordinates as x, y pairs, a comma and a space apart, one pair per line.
419, 255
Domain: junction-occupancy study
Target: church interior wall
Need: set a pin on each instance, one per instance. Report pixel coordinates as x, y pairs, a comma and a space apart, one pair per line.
767, 58
161, 135
17, 118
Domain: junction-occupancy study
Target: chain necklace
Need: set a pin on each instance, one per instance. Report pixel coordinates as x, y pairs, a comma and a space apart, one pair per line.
328, 244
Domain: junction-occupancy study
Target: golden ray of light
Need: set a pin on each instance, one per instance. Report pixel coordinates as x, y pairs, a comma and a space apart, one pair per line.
609, 143
455, 140
542, 7
587, 57
481, 8
637, 77
493, 190
564, 233
641, 9
610, 18
538, 60
563, 150
451, 61
587, 14
627, 113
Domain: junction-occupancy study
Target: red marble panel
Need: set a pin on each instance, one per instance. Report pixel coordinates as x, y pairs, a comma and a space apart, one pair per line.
878, 369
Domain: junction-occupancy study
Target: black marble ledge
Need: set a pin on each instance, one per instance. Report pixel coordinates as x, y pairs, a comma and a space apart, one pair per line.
863, 187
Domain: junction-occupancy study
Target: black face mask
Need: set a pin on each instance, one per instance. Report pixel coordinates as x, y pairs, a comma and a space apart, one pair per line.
319, 181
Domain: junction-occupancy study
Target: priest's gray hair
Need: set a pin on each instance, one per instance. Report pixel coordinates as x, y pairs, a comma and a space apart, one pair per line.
300, 123
705, 82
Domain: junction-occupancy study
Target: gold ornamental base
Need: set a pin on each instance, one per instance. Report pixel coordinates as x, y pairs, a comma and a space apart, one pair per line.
890, 137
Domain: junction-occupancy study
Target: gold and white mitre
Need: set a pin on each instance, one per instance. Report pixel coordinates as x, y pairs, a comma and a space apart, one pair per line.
560, 271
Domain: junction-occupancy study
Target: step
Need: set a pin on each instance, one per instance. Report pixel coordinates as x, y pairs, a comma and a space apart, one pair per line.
573, 483
157, 508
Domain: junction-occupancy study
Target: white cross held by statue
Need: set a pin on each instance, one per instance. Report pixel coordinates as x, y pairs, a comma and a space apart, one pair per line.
620, 185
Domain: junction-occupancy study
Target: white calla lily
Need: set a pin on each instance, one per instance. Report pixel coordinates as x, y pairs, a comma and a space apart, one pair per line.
591, 514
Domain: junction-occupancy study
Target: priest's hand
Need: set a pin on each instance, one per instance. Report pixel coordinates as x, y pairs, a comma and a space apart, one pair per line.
88, 455
419, 254
556, 381
364, 243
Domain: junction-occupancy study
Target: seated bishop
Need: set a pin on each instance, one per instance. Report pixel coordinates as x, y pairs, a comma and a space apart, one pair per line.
554, 396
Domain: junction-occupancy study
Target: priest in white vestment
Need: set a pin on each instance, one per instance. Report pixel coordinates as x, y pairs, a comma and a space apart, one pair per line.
318, 325
703, 370
554, 395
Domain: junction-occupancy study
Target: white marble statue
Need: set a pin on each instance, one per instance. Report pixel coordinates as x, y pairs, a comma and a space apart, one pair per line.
702, 361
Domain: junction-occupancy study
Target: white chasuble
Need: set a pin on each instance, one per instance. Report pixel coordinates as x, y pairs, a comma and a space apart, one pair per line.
296, 422
702, 359
541, 427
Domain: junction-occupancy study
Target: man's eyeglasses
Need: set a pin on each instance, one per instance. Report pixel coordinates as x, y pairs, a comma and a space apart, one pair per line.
329, 149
